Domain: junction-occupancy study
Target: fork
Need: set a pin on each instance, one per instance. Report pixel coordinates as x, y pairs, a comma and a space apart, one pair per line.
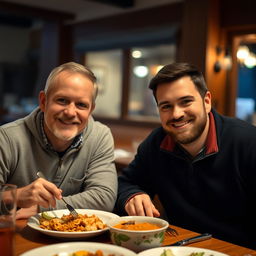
71, 209
172, 231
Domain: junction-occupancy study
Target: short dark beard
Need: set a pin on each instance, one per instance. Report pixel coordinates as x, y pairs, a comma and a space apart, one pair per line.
196, 133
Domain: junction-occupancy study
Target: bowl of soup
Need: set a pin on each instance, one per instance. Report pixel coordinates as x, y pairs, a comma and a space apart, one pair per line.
137, 233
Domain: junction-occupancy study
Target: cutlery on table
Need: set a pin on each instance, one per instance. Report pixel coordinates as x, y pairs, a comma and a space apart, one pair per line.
191, 240
69, 207
172, 231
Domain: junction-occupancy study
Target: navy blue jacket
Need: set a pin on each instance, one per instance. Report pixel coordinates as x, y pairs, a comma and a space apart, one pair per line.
214, 192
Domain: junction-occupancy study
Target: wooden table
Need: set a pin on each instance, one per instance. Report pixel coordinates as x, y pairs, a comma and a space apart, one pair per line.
27, 238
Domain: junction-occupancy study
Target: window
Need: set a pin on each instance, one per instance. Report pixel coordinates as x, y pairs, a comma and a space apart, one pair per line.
107, 67
144, 62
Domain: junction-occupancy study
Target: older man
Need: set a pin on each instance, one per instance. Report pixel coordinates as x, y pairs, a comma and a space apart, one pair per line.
60, 139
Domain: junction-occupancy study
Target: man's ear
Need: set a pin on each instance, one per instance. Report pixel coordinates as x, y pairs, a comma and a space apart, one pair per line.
208, 102
92, 108
42, 100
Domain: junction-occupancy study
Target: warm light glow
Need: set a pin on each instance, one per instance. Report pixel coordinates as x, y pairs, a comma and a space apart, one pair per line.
242, 53
154, 69
227, 62
159, 67
250, 61
246, 57
140, 71
136, 54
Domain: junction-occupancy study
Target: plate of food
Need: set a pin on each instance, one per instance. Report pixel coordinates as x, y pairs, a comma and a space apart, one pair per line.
80, 249
180, 251
60, 223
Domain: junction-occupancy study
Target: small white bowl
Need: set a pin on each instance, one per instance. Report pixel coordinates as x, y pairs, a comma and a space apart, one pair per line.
138, 240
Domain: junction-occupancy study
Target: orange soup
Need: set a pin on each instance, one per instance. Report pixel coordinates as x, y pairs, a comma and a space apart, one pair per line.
136, 226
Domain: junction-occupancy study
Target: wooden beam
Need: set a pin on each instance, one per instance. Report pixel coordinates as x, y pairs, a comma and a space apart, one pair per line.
118, 3
165, 15
24, 10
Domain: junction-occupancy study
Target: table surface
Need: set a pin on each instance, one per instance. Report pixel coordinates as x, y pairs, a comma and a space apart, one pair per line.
27, 238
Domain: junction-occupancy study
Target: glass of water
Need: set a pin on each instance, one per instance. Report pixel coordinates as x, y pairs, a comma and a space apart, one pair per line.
8, 204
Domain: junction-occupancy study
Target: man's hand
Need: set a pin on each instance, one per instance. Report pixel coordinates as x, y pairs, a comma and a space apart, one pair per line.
40, 192
25, 213
141, 205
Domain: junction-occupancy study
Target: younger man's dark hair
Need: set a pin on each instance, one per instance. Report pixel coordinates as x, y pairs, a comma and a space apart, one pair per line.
174, 71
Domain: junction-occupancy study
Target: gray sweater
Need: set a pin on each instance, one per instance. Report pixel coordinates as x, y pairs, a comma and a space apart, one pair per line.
86, 174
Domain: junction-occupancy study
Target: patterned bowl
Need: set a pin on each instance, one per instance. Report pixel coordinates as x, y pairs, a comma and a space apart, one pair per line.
137, 240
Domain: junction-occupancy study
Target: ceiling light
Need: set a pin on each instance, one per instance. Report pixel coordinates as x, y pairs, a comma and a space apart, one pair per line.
140, 71
136, 54
243, 52
250, 61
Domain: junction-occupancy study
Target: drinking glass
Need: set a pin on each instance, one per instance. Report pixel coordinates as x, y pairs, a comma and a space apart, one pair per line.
7, 218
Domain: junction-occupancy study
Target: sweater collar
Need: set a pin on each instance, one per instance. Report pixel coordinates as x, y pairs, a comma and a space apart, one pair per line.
211, 144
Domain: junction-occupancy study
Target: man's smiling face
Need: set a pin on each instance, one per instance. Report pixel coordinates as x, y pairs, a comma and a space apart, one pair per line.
183, 112
67, 107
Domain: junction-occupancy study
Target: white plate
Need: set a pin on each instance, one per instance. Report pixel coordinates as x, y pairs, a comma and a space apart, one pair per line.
33, 222
50, 250
180, 251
